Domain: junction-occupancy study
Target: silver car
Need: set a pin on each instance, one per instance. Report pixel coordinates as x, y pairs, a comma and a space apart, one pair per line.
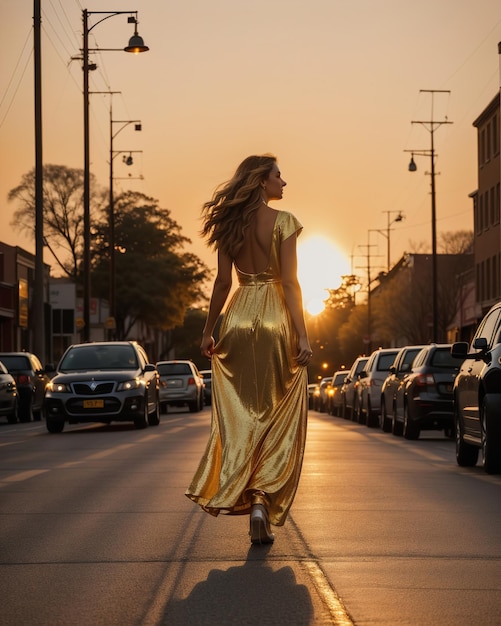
180, 384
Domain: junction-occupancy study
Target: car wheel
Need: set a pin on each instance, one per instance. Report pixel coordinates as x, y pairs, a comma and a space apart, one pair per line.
466, 454
491, 440
142, 421
25, 410
397, 428
371, 420
154, 418
54, 425
411, 429
12, 418
195, 406
385, 422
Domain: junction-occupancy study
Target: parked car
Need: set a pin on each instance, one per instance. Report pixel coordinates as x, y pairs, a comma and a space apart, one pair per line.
372, 378
107, 381
400, 367
349, 388
8, 395
31, 380
207, 378
180, 384
334, 403
311, 394
424, 400
320, 397
477, 395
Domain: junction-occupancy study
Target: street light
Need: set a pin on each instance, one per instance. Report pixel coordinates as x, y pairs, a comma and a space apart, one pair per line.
135, 45
386, 234
111, 218
431, 126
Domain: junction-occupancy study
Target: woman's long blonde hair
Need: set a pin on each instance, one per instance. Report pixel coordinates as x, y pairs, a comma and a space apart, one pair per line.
234, 204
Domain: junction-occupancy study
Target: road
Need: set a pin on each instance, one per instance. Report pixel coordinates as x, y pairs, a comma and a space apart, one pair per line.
95, 530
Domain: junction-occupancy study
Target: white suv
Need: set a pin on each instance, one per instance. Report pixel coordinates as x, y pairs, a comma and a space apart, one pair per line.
372, 378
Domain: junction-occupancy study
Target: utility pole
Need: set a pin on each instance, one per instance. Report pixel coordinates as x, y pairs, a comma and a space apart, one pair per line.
431, 126
369, 313
36, 319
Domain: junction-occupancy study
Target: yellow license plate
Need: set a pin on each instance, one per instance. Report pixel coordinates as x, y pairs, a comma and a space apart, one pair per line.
93, 404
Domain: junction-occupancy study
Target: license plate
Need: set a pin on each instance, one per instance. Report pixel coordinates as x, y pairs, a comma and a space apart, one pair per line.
93, 404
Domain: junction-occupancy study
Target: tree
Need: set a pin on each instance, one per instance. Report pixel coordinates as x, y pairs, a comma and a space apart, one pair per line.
62, 212
456, 242
156, 281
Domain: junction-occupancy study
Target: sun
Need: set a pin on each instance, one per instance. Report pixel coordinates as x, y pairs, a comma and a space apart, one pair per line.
320, 267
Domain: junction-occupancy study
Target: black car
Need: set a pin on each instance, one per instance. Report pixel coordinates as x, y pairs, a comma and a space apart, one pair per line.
31, 380
103, 382
477, 395
424, 399
400, 367
8, 395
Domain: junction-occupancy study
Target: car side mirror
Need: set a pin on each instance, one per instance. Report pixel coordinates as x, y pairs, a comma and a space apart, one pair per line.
459, 350
392, 369
480, 343
149, 367
363, 374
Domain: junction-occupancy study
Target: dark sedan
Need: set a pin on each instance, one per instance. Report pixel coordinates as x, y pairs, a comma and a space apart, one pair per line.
8, 395
477, 395
31, 379
424, 399
103, 382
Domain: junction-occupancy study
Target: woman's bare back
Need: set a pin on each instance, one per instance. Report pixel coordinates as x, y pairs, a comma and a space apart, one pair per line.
254, 255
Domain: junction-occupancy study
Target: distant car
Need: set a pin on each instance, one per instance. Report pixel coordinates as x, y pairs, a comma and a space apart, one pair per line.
107, 381
311, 393
207, 378
320, 397
31, 380
180, 384
334, 403
477, 395
424, 399
372, 378
8, 395
349, 394
400, 367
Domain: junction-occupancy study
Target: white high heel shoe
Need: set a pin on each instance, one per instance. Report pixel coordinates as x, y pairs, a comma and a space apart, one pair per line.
260, 525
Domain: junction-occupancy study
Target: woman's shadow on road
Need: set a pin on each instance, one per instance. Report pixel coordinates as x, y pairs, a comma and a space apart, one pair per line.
253, 593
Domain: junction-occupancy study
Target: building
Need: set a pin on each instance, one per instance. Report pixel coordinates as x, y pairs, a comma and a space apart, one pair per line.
486, 208
17, 273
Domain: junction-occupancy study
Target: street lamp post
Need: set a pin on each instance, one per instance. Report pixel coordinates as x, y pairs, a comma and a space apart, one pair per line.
386, 233
113, 154
136, 45
431, 126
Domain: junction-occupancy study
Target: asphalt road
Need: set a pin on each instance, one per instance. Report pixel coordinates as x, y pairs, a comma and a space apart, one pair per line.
95, 530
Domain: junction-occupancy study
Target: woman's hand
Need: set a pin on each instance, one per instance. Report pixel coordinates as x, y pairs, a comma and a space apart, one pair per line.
304, 352
207, 346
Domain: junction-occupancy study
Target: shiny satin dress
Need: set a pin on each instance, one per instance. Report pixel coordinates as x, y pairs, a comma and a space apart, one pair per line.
259, 398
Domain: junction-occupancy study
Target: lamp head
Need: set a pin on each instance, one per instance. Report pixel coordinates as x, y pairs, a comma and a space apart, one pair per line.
128, 160
136, 44
412, 165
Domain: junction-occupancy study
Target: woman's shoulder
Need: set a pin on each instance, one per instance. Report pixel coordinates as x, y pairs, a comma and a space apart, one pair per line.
288, 224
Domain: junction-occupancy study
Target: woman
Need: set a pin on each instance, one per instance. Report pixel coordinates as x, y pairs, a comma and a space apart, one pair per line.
253, 459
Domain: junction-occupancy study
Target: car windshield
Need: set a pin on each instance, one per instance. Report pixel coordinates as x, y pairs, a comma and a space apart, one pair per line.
99, 358
15, 363
442, 357
174, 369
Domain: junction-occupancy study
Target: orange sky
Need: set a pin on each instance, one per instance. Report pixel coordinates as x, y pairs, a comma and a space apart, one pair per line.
330, 86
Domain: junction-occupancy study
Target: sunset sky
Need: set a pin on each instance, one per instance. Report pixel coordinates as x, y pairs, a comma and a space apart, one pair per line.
329, 86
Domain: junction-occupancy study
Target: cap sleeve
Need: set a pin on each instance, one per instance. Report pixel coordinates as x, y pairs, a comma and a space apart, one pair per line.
289, 225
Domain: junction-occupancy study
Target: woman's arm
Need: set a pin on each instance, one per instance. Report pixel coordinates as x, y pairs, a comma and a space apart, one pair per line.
293, 296
220, 291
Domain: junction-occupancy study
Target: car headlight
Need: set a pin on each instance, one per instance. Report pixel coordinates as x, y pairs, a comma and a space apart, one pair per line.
58, 387
127, 385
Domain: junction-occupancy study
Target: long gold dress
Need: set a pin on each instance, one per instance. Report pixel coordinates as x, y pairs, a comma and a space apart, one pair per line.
259, 398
